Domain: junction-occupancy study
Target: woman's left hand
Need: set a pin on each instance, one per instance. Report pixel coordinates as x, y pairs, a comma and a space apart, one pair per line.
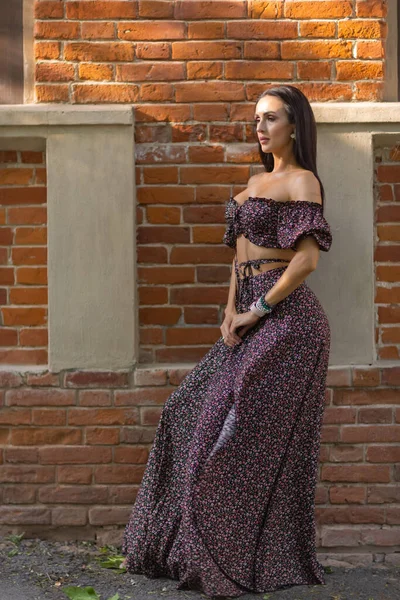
245, 321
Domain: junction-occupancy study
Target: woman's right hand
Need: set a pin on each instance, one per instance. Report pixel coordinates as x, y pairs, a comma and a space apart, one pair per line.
231, 338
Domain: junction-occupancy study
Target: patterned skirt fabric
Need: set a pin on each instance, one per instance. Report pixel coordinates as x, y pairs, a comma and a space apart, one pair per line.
226, 503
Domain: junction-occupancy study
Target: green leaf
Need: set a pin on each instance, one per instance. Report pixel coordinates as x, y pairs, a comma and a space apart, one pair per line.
80, 593
116, 597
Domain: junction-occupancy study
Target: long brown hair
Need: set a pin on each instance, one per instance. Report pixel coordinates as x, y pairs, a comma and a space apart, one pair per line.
300, 113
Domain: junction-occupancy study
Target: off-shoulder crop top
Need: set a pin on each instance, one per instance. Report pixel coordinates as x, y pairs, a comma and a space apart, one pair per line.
267, 222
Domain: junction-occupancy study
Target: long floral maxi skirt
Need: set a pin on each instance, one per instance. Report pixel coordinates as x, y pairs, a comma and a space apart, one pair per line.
226, 504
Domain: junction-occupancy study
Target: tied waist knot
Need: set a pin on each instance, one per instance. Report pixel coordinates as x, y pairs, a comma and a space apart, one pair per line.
245, 268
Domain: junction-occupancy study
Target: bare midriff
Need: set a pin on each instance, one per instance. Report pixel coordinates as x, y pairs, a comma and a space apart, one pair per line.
247, 251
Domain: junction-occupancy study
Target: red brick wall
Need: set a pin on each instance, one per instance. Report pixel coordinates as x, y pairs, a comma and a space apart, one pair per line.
194, 70
74, 446
387, 252
23, 259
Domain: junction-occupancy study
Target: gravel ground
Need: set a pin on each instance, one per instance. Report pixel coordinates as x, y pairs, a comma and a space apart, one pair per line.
34, 569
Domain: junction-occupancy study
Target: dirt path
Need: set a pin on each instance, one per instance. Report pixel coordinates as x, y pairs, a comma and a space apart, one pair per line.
34, 569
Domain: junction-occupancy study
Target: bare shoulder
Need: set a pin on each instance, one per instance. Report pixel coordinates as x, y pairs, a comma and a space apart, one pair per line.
257, 178
305, 186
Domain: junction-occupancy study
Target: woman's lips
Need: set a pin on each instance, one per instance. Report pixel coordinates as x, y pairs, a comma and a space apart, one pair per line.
264, 139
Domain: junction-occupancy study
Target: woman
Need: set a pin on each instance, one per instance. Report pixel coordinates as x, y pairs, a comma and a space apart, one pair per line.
226, 504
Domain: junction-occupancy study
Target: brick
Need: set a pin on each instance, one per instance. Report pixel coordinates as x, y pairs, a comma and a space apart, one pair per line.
25, 516
98, 31
261, 50
40, 397
314, 71
102, 416
107, 92
10, 379
185, 355
361, 29
151, 30
134, 455
123, 494
153, 295
10, 196
33, 337
203, 30
375, 415
52, 93
376, 433
201, 255
314, 49
49, 10
54, 72
138, 435
208, 235
370, 49
150, 415
347, 495
109, 515
318, 29
108, 379
156, 92
6, 277
19, 494
156, 9
391, 376
147, 254
160, 234
153, 50
206, 50
31, 275
160, 113
108, 9
94, 398
24, 357
380, 537
49, 417
339, 415
95, 72
72, 474
368, 377
73, 494
72, 516
352, 69
21, 455
166, 274
197, 174
62, 30
41, 436
204, 70
28, 296
165, 153
226, 133
26, 474
388, 233
380, 494
47, 50
189, 133
371, 8
345, 453
74, 455
168, 315
15, 417
101, 51
102, 435
199, 315
278, 30
211, 112
151, 335
27, 215
150, 71
259, 9
17, 176
149, 377
356, 473
366, 397
180, 336
210, 9
24, 316
160, 215
118, 474
352, 514
212, 92
160, 174
318, 10
383, 454
259, 70
8, 337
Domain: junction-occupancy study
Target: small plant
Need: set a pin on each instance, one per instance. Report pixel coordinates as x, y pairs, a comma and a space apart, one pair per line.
111, 560
15, 540
328, 569
84, 593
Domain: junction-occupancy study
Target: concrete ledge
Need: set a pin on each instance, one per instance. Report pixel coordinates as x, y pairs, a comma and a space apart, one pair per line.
65, 114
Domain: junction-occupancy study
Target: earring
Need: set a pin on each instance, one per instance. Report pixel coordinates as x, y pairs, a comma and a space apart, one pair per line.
293, 135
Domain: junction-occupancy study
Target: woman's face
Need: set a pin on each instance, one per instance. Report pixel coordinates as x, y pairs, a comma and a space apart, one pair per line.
273, 127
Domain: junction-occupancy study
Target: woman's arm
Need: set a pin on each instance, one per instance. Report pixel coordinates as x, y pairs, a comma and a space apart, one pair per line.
230, 306
301, 265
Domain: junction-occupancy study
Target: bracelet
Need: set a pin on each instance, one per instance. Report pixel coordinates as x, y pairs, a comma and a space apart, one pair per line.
257, 311
263, 304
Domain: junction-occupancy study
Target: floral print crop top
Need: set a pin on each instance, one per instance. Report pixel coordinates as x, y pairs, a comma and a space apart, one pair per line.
267, 222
